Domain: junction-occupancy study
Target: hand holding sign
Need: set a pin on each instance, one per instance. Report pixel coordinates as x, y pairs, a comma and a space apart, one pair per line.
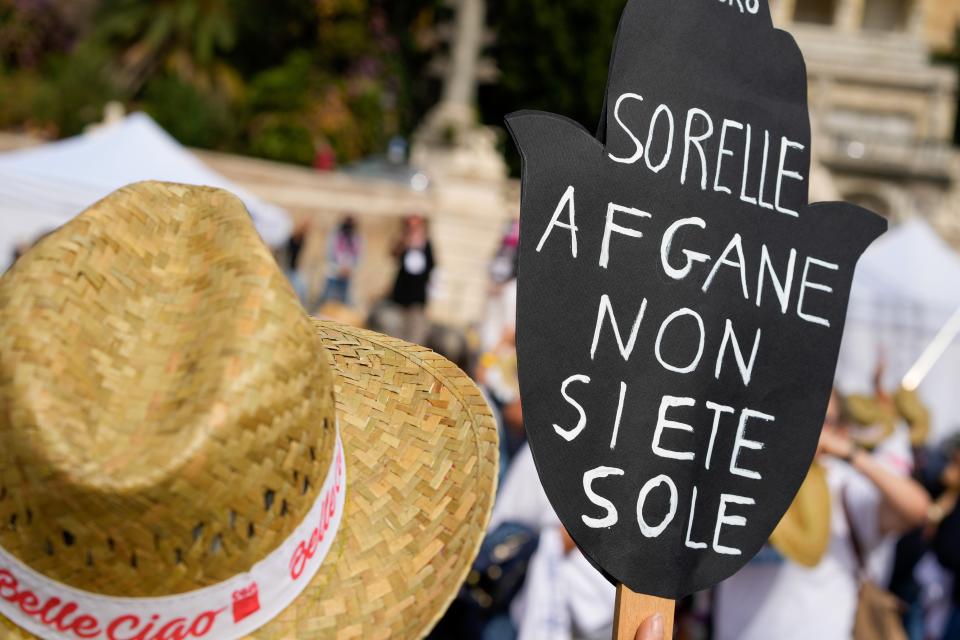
680, 304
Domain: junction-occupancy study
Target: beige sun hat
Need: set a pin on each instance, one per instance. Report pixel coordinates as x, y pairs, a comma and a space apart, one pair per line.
184, 453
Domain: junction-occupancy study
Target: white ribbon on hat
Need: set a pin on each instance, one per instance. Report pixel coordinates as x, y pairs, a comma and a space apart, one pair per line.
228, 610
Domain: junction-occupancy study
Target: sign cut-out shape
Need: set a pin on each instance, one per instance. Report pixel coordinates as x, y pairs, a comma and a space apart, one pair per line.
680, 303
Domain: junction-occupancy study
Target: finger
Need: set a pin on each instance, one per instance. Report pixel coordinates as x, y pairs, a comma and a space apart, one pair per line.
651, 629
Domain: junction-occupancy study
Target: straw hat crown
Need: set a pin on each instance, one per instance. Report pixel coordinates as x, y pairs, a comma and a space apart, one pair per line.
166, 407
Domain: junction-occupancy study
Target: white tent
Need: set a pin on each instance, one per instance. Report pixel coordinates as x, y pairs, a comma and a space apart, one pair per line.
906, 287
43, 187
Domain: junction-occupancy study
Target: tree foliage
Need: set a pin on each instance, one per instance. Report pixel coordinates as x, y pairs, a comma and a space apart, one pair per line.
552, 56
281, 79
285, 79
188, 39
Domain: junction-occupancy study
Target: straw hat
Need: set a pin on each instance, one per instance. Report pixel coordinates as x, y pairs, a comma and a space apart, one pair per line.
803, 533
185, 453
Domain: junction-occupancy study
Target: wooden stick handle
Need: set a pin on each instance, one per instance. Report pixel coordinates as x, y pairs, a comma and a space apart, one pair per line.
633, 608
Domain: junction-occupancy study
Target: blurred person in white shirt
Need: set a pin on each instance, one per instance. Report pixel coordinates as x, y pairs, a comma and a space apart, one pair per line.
563, 596
775, 597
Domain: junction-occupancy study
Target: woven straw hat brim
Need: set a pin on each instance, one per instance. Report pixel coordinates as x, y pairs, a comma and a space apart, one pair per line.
421, 461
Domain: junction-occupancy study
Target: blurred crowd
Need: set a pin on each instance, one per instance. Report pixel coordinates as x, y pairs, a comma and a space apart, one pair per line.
868, 549
871, 541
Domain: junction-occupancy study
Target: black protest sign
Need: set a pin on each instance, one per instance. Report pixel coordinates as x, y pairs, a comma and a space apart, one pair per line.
680, 304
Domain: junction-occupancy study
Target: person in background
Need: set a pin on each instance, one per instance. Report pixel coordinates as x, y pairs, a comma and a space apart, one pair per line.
415, 263
894, 427
291, 265
881, 416
343, 255
563, 597
503, 267
496, 370
870, 498
500, 310
325, 158
918, 580
946, 541
496, 373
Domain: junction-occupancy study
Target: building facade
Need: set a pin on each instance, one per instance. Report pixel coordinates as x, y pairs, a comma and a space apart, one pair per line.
883, 113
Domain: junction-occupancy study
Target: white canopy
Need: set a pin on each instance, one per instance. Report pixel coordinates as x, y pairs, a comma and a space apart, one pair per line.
43, 187
906, 287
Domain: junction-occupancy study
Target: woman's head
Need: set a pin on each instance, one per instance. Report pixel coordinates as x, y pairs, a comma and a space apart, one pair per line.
415, 222
837, 418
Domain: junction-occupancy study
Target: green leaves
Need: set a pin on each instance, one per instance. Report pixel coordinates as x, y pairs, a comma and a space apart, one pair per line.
553, 56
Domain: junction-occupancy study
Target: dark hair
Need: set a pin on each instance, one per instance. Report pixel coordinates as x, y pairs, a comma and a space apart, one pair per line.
348, 228
844, 414
951, 446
